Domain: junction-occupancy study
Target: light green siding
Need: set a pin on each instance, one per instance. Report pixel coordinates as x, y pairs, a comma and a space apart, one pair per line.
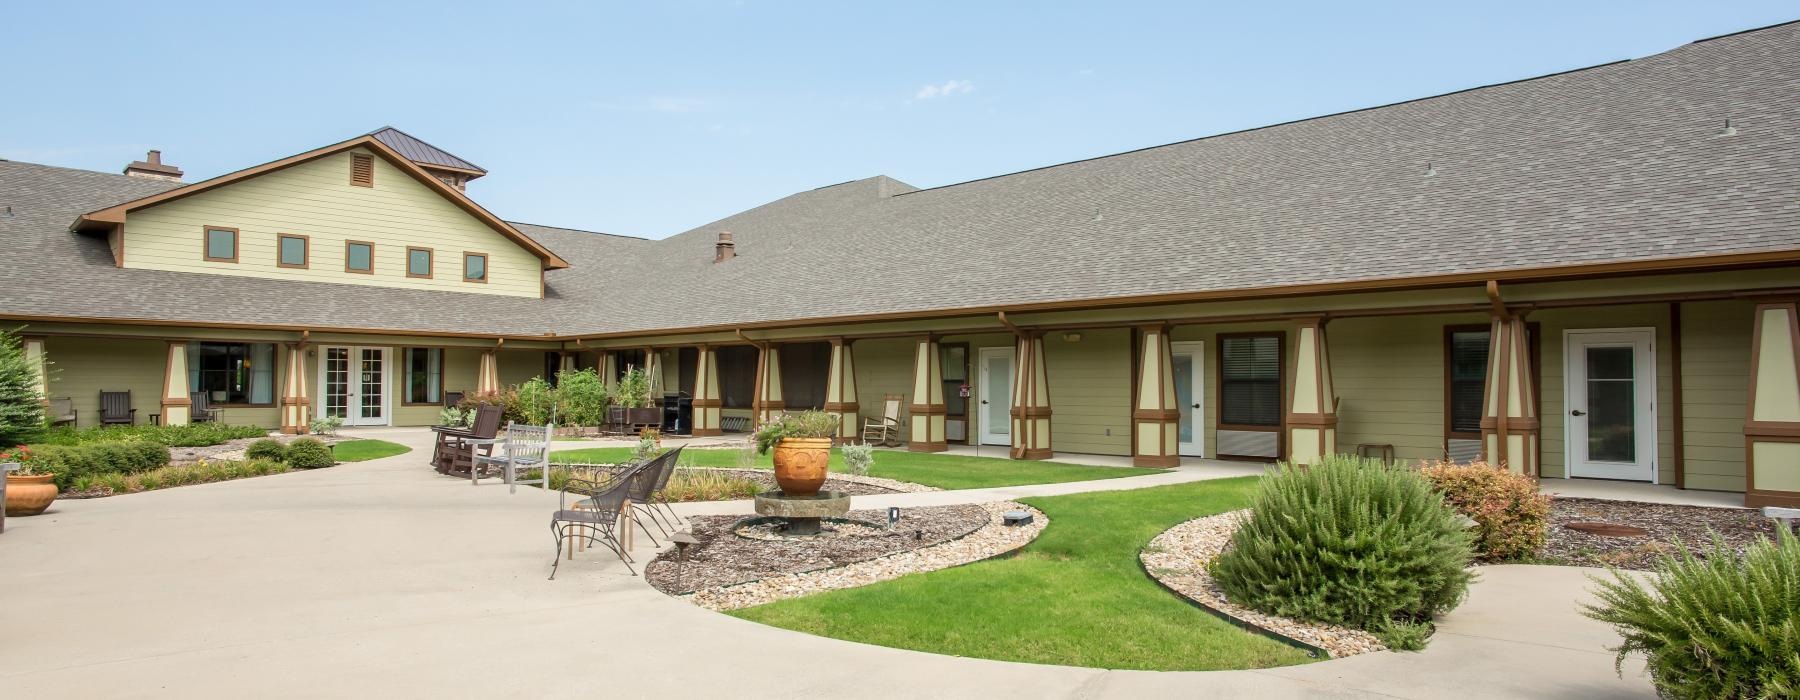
883, 366
316, 199
1090, 391
1715, 380
1389, 373
1553, 324
81, 368
519, 366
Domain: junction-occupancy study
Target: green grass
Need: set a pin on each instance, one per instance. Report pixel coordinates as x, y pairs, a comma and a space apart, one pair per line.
364, 450
940, 470
1077, 596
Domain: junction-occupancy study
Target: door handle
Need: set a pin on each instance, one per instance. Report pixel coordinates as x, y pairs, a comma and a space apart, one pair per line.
1196, 406
984, 402
1577, 413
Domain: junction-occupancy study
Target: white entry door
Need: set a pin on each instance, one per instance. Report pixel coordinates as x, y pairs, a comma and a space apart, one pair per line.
1189, 372
995, 410
353, 384
1610, 403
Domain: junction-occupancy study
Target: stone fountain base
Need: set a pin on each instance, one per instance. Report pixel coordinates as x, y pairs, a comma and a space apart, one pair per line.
802, 513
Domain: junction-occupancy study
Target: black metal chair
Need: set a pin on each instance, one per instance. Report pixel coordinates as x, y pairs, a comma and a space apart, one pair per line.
659, 497
595, 517
643, 491
115, 408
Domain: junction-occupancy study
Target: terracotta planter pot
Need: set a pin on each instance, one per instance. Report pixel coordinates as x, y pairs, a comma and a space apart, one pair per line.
801, 464
29, 495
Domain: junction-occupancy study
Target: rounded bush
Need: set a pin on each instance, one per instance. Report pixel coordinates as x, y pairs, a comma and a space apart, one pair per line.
1513, 518
266, 448
1347, 541
309, 453
1722, 626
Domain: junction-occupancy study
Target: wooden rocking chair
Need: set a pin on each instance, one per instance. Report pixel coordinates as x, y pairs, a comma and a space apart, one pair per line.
886, 429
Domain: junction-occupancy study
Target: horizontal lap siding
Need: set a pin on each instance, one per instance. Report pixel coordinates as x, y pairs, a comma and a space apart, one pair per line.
1553, 324
1389, 374
1715, 380
520, 366
81, 368
883, 366
316, 199
1090, 391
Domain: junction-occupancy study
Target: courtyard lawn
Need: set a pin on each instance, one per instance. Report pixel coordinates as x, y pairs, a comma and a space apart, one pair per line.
939, 470
364, 450
1076, 596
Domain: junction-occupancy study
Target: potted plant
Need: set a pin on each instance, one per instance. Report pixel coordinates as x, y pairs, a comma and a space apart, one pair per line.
27, 491
802, 445
633, 396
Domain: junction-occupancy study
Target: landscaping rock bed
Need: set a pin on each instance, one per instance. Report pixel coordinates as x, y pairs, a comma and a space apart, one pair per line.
1666, 524
234, 449
1177, 559
727, 572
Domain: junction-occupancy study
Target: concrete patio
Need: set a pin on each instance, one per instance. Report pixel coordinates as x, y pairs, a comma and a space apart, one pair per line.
384, 579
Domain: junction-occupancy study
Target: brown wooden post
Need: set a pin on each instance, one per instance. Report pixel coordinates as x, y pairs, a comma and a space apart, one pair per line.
1772, 425
1155, 416
840, 390
707, 405
1509, 416
927, 408
1031, 399
296, 409
1311, 420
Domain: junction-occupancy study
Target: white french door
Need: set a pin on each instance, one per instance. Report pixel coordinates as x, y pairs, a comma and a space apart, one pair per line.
353, 384
1610, 403
994, 413
1188, 369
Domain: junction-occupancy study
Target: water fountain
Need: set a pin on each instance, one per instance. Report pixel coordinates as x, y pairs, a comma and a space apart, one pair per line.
800, 468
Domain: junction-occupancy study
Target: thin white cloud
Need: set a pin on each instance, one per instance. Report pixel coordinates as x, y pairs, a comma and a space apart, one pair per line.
950, 88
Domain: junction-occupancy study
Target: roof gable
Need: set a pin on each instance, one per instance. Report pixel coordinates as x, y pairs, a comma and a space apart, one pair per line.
424, 153
115, 215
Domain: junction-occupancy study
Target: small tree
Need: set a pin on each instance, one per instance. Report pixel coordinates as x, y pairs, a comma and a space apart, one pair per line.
634, 388
581, 397
21, 407
536, 401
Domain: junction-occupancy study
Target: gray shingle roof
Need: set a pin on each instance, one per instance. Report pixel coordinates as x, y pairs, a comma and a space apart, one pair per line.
1622, 162
419, 151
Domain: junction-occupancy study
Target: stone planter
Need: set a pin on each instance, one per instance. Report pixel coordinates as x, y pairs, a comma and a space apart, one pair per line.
29, 495
801, 465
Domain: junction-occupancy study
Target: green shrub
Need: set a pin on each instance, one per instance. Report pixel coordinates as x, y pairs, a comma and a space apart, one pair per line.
189, 435
21, 406
581, 398
1513, 517
266, 448
1347, 541
858, 458
634, 388
327, 425
309, 453
508, 399
536, 401
1721, 626
72, 462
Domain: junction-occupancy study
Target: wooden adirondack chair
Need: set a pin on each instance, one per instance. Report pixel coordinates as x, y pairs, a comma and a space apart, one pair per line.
115, 408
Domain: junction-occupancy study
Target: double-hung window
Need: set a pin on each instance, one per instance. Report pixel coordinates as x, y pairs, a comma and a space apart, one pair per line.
1250, 381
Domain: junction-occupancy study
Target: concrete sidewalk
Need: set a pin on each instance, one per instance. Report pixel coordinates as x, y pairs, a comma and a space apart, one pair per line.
384, 579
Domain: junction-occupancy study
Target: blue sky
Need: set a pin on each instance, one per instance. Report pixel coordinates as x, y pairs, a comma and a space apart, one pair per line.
652, 118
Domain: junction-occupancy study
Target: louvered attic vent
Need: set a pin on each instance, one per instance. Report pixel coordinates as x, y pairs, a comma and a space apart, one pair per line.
362, 170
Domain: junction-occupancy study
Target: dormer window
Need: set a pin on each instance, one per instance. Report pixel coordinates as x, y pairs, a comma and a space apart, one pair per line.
418, 263
221, 244
291, 250
475, 267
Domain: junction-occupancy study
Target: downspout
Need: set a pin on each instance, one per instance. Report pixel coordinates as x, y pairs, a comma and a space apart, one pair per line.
1004, 321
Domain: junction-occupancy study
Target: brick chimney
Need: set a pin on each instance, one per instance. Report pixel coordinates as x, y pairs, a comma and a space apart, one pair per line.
724, 249
152, 168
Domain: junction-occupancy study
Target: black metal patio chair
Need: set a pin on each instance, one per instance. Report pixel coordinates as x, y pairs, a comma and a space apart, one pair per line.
595, 517
643, 492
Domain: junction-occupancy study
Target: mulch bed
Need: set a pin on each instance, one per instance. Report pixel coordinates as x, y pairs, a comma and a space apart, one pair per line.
723, 558
1666, 524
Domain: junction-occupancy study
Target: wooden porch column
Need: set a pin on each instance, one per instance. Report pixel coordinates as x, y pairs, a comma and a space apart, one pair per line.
1509, 414
568, 361
487, 374
1772, 428
653, 370
1311, 418
296, 410
927, 409
35, 356
1031, 399
609, 369
840, 390
706, 393
1155, 415
766, 403
176, 404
